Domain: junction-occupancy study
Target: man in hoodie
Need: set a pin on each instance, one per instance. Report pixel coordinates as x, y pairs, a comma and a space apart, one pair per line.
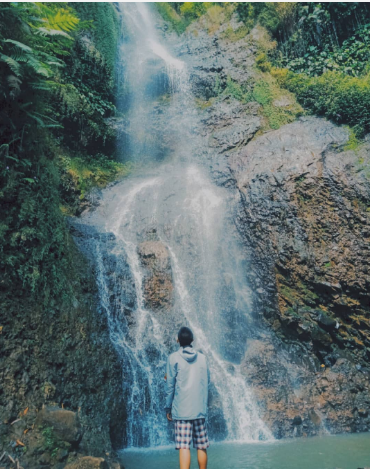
187, 398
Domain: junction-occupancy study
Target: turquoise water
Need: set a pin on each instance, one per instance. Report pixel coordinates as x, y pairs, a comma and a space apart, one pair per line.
340, 451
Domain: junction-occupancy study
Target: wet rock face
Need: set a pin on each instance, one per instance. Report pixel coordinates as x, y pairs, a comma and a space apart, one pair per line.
214, 59
305, 208
158, 284
305, 221
231, 125
299, 401
59, 356
304, 215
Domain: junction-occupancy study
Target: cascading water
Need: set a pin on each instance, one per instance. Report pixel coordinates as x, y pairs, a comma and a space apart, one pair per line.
175, 204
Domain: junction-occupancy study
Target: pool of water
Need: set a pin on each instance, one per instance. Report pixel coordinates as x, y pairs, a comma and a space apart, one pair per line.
340, 451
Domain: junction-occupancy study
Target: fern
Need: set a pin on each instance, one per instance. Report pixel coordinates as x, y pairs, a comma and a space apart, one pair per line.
46, 85
41, 118
52, 32
22, 46
18, 55
14, 66
39, 67
51, 59
14, 84
57, 64
63, 20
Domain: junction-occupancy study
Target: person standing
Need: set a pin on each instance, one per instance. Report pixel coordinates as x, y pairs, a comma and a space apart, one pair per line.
187, 378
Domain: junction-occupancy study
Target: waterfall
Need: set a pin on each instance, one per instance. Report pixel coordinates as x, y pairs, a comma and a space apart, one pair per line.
172, 203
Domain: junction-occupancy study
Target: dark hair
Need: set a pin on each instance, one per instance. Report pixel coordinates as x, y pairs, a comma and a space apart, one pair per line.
185, 336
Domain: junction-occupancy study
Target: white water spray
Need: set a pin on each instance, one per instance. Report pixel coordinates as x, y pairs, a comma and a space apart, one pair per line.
188, 214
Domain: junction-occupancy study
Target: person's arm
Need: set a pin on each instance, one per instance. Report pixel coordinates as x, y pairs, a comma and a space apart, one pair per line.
208, 374
208, 380
170, 386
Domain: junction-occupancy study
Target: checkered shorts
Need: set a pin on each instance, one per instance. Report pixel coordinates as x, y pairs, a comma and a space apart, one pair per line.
194, 429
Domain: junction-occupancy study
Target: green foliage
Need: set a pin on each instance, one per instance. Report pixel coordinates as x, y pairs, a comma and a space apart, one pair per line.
85, 97
351, 58
234, 35
82, 111
262, 93
277, 107
246, 11
237, 91
51, 443
193, 10
298, 25
169, 14
27, 66
103, 35
53, 90
278, 16
80, 174
262, 62
353, 142
343, 99
314, 38
33, 243
181, 14
327, 45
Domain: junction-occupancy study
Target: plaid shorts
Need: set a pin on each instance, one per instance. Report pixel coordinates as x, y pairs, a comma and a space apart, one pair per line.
194, 429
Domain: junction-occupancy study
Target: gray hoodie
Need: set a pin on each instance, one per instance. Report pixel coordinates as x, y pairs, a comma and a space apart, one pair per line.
187, 384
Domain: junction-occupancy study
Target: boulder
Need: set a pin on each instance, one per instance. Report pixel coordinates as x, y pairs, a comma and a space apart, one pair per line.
88, 463
326, 322
328, 286
314, 417
154, 255
65, 423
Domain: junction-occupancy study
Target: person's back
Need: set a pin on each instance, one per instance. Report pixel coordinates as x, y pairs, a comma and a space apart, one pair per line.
187, 399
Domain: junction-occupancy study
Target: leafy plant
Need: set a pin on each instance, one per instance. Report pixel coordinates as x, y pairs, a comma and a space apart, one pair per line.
170, 14
343, 99
180, 15
80, 174
51, 443
37, 41
235, 90
351, 58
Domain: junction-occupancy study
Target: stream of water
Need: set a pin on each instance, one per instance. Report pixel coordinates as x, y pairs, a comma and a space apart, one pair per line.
174, 202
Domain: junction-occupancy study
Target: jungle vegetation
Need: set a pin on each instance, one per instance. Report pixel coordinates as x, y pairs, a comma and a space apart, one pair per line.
57, 90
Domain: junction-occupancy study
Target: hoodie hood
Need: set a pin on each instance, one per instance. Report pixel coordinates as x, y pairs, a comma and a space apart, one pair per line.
188, 353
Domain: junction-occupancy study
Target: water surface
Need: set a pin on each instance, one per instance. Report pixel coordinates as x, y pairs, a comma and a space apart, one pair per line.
341, 451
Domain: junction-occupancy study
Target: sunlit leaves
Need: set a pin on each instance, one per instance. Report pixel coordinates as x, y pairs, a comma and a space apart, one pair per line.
52, 32
62, 19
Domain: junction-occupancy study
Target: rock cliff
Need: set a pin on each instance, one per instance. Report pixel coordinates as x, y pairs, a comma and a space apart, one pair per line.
60, 357
305, 221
